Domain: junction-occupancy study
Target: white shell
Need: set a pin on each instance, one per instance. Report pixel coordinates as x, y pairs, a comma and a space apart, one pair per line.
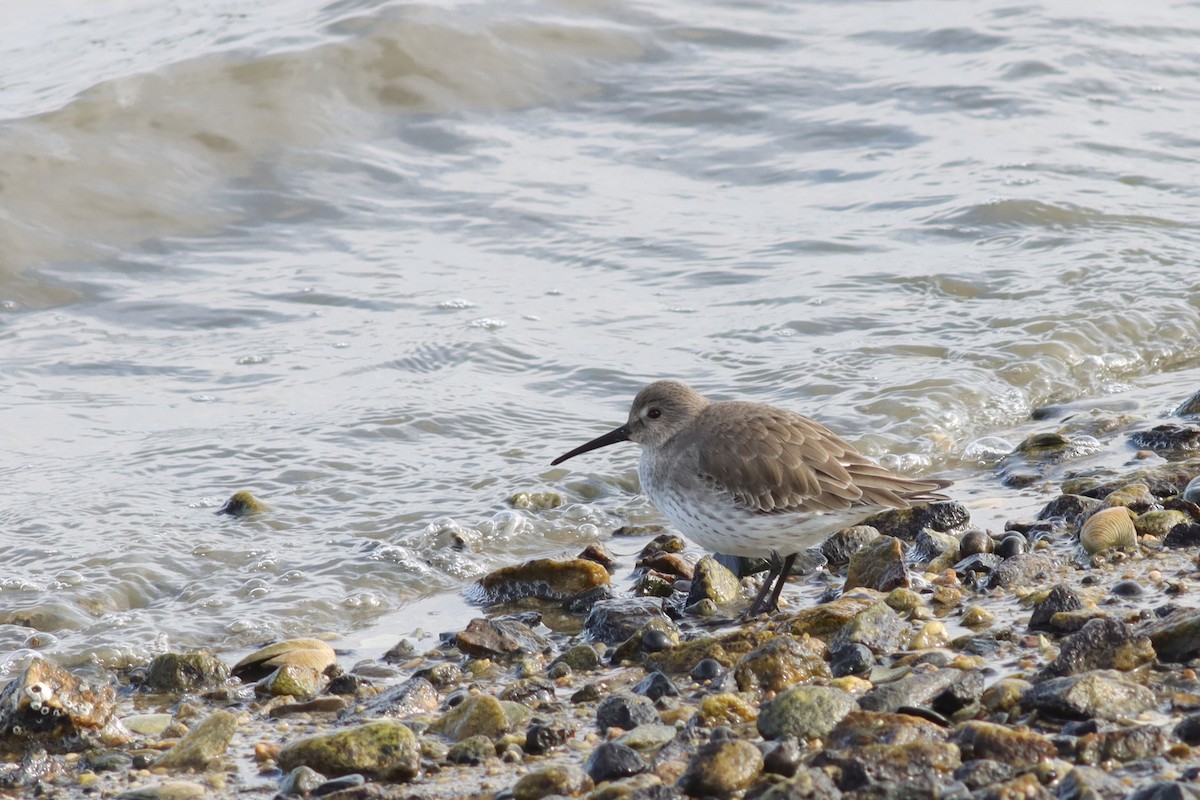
1107, 529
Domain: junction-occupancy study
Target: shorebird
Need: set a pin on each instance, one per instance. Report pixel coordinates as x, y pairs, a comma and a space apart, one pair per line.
749, 479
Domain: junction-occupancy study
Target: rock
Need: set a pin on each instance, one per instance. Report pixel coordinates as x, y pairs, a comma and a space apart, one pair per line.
481, 715
1070, 507
722, 768
1137, 497
715, 582
1175, 637
1020, 570
918, 690
1100, 644
862, 728
543, 578
824, 620
294, 680
915, 769
1090, 783
975, 542
782, 662
1185, 534
656, 685
931, 544
472, 750
725, 709
648, 739
46, 705
384, 749
147, 724
1015, 747
851, 659
181, 672
961, 695
1103, 694
412, 697
1166, 790
541, 737
1059, 598
529, 692
977, 565
804, 784
981, 772
344, 783
203, 743
880, 565
725, 650
500, 638
626, 711
907, 523
168, 790
535, 501
242, 504
877, 627
1123, 745
612, 761
300, 781
614, 621
562, 779
1171, 441
1013, 544
838, 548
312, 653
805, 712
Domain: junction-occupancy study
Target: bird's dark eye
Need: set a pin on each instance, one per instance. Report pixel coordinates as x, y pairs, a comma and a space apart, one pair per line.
654, 413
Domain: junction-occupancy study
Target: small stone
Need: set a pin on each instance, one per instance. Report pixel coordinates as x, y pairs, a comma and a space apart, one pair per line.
1170, 441
1091, 783
291, 680
1175, 637
541, 737
826, 619
838, 548
615, 621
169, 790
1017, 748
1070, 507
481, 715
612, 761
707, 669
500, 638
1103, 694
722, 768
300, 781
728, 708
983, 772
1059, 598
563, 779
656, 685
1100, 644
343, 783
242, 504
907, 523
975, 542
915, 769
1020, 570
880, 565
312, 653
205, 742
714, 582
975, 617
805, 712
877, 626
535, 501
1184, 534
1159, 523
917, 690
782, 757
147, 724
472, 750
385, 749
543, 578
410, 698
625, 711
861, 728
782, 662
851, 659
181, 672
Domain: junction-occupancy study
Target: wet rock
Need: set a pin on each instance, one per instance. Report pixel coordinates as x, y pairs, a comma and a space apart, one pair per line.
713, 581
906, 523
168, 790
656, 636
312, 653
877, 627
861, 728
500, 638
1175, 637
1059, 598
295, 680
300, 781
648, 739
918, 689
963, 695
656, 685
879, 565
147, 724
1124, 745
1185, 534
1171, 441
343, 784
707, 671
472, 750
1070, 507
614, 621
838, 548
931, 544
915, 769
975, 542
529, 691
804, 784
1013, 544
242, 504
410, 698
725, 710
1166, 790
725, 649
805, 712
1016, 747
612, 761
385, 749
562, 779
543, 578
1090, 783
1100, 644
542, 737
824, 620
50, 706
203, 743
1020, 570
851, 659
1103, 694
721, 768
983, 772
481, 715
782, 662
624, 710
535, 501
182, 672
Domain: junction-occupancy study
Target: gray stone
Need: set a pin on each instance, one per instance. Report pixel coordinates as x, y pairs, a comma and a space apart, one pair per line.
805, 712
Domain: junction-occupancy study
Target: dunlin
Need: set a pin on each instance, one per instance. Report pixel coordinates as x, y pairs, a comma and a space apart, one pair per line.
749, 479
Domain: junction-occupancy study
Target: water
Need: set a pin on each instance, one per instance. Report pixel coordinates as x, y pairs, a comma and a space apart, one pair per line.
380, 262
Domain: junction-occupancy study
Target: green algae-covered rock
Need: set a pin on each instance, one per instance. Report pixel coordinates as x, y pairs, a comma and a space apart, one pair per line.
294, 680
806, 712
535, 501
482, 715
385, 749
721, 768
202, 744
562, 779
180, 672
712, 580
781, 663
242, 504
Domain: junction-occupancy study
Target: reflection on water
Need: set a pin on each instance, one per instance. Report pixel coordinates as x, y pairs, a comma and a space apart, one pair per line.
378, 262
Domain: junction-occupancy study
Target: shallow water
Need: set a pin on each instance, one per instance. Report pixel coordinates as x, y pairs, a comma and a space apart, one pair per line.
379, 262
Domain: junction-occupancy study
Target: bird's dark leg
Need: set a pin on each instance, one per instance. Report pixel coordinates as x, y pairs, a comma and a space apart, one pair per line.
758, 606
779, 581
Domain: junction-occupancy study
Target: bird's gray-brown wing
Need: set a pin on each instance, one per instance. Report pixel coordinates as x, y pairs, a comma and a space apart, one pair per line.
775, 461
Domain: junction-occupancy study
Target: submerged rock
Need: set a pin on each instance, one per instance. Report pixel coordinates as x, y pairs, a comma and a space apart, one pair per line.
47, 705
500, 638
242, 504
1170, 441
181, 672
543, 578
385, 749
312, 653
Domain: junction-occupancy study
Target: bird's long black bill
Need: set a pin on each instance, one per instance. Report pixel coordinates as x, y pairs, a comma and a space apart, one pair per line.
621, 434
